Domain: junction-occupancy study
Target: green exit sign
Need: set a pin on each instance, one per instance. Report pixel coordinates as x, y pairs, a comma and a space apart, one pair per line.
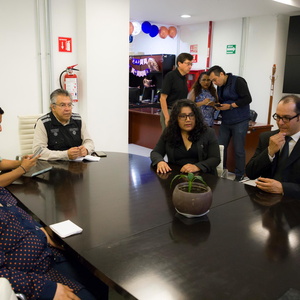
230, 49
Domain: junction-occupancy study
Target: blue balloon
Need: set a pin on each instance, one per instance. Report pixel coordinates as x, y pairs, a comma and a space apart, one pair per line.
146, 27
130, 38
154, 31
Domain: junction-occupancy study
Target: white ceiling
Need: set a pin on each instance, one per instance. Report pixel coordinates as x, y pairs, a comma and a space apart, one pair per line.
168, 12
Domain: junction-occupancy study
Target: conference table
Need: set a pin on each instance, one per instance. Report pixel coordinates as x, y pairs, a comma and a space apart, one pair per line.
246, 247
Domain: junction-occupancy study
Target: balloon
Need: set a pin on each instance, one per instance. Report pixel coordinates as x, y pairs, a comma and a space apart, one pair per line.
130, 28
172, 31
154, 31
146, 27
130, 38
136, 28
163, 32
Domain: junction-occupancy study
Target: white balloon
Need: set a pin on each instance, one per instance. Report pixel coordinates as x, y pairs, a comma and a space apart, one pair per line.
136, 28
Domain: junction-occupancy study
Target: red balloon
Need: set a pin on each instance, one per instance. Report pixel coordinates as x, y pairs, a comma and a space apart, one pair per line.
172, 31
130, 28
163, 32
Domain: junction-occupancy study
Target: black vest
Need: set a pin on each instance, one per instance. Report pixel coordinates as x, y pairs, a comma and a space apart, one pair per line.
227, 94
62, 137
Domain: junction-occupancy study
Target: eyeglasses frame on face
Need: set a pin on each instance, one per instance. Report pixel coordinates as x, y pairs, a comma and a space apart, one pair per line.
284, 119
188, 63
64, 105
183, 117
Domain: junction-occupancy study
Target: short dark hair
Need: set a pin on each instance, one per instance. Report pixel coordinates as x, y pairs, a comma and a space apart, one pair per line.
59, 92
182, 57
216, 69
292, 98
1, 111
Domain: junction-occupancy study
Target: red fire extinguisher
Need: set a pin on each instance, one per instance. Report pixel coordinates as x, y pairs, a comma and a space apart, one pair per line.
70, 82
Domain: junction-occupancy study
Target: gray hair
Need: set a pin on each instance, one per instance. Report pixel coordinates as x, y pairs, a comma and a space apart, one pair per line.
59, 92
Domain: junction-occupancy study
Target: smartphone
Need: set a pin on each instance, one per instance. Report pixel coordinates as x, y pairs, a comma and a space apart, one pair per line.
99, 153
218, 105
37, 152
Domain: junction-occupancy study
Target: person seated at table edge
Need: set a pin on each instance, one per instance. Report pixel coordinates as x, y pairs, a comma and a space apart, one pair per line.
187, 141
61, 133
32, 262
14, 168
274, 176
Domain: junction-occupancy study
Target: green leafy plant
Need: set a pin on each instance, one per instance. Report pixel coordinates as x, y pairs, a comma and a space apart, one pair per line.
191, 177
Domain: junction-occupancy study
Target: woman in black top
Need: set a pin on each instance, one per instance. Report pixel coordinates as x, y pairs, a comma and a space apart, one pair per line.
187, 141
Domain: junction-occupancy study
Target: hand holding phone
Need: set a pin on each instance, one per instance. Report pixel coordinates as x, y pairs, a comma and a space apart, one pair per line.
218, 105
37, 152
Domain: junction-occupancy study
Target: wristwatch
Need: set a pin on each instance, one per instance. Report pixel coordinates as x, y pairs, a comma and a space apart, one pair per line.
231, 107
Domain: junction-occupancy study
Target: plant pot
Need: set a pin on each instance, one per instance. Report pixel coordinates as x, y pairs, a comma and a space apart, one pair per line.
193, 204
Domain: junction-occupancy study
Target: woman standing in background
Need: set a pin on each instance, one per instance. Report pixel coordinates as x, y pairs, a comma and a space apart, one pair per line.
204, 94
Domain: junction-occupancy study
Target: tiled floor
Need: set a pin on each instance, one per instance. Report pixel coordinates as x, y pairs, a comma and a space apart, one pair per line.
139, 150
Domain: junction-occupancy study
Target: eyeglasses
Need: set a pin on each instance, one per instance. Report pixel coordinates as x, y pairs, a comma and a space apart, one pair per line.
64, 105
208, 80
183, 117
284, 119
188, 63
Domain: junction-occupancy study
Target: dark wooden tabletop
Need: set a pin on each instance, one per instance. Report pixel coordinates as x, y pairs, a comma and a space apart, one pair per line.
246, 247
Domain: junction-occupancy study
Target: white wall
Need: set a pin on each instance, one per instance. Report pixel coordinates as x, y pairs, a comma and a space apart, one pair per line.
227, 33
104, 63
99, 30
195, 35
63, 25
259, 60
144, 44
20, 71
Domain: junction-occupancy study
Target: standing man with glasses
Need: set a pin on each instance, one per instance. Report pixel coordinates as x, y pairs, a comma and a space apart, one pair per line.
234, 96
61, 133
174, 86
276, 162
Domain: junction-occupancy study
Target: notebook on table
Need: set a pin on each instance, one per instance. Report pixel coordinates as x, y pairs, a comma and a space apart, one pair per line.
40, 168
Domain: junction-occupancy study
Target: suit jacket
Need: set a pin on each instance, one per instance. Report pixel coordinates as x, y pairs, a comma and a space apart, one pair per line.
208, 152
260, 165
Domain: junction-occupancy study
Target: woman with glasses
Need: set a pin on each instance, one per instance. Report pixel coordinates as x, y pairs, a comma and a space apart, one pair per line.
187, 141
204, 94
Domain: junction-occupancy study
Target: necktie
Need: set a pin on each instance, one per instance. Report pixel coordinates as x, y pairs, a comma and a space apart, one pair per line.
283, 156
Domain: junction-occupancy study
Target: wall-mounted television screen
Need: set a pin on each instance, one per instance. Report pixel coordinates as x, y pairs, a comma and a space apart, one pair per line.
291, 83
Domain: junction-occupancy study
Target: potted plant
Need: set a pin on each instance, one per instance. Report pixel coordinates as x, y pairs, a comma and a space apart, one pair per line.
190, 198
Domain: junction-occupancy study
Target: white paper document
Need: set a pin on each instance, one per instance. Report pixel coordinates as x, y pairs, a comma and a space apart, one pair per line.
66, 228
87, 158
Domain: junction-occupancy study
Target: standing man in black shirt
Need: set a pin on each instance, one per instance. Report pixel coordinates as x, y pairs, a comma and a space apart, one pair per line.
174, 86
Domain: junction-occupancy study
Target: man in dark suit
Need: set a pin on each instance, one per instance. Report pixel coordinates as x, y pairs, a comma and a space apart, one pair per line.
275, 172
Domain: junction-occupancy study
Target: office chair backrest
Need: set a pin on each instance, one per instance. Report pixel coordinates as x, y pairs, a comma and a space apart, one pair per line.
26, 132
6, 291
